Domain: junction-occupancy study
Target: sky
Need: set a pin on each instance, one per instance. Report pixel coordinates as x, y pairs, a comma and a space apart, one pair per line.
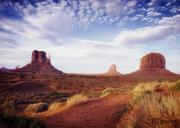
87, 36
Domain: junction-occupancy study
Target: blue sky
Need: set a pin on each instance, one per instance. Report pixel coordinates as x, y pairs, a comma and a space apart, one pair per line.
87, 36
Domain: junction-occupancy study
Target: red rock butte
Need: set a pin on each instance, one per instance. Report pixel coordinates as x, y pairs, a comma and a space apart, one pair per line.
40, 63
153, 67
112, 71
153, 60
39, 57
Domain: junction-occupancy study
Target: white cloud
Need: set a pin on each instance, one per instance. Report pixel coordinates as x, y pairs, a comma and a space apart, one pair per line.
131, 3
46, 27
165, 27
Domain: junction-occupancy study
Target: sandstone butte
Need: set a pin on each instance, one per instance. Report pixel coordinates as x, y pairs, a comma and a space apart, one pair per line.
112, 71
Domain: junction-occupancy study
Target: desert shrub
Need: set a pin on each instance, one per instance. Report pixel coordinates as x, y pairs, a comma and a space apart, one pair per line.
12, 121
175, 86
141, 89
76, 99
36, 107
156, 111
9, 108
107, 91
127, 119
54, 106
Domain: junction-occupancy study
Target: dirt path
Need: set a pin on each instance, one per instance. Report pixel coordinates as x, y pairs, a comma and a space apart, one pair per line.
93, 114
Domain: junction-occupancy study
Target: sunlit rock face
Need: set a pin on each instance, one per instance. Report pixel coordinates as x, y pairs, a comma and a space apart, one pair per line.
153, 67
153, 61
39, 57
40, 64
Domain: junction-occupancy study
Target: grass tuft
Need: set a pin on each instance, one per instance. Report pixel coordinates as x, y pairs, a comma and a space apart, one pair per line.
159, 112
36, 107
76, 99
107, 91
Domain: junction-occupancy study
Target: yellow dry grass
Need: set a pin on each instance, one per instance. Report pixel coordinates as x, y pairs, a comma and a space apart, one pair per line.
76, 99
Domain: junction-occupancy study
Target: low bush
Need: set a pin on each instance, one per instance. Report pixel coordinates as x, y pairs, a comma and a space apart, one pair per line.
175, 86
12, 121
9, 108
54, 106
76, 99
107, 91
36, 107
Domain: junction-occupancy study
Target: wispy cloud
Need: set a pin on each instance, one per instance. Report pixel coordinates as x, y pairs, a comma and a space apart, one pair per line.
51, 26
165, 28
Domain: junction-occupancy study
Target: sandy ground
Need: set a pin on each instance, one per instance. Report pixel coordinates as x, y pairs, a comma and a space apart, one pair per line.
100, 113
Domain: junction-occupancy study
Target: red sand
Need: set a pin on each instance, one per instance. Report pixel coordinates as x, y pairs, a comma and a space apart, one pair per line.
93, 114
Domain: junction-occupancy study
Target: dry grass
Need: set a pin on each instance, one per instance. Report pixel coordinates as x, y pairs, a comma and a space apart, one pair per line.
8, 108
143, 88
106, 92
149, 87
36, 107
159, 112
54, 106
128, 120
76, 99
153, 109
175, 86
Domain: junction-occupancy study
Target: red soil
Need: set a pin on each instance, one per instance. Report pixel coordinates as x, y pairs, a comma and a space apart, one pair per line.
101, 113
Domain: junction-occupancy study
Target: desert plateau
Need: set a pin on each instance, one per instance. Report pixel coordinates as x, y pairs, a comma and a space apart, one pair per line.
106, 100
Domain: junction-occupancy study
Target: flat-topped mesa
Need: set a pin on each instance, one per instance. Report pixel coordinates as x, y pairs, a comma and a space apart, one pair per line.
112, 71
153, 61
39, 57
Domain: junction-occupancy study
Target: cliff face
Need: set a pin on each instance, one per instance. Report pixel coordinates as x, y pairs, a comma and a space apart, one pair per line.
39, 57
153, 61
40, 64
153, 67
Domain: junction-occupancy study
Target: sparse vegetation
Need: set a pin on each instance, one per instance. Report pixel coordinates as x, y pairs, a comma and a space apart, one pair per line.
76, 99
54, 106
36, 107
175, 86
152, 111
9, 108
156, 111
150, 87
12, 121
107, 91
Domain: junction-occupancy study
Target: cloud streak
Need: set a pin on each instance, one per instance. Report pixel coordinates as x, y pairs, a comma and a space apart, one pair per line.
56, 27
165, 28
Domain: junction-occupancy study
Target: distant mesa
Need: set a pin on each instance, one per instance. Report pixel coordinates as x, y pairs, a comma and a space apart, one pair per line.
40, 63
153, 66
153, 60
112, 71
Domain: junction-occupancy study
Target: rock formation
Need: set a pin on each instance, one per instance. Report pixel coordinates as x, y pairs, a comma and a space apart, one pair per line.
153, 60
112, 71
40, 57
40, 64
153, 67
